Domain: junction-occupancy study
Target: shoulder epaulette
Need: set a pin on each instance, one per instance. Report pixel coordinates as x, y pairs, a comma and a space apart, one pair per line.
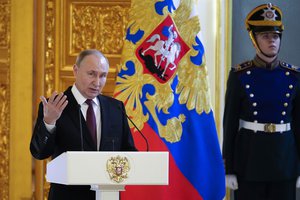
290, 67
242, 66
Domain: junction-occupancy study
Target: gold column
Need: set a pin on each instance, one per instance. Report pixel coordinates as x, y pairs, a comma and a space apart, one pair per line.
228, 42
20, 184
228, 36
218, 58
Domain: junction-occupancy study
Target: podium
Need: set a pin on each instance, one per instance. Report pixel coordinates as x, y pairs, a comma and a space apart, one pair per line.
109, 172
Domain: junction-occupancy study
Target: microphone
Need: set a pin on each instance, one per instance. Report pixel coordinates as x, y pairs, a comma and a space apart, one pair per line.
146, 141
113, 143
80, 128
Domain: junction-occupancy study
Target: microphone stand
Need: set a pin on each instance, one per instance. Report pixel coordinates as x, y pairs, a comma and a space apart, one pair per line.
80, 126
147, 144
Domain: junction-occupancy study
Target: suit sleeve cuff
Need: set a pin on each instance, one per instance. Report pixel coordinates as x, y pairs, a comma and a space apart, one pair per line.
50, 127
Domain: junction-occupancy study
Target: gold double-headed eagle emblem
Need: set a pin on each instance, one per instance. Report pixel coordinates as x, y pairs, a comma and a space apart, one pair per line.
191, 90
118, 168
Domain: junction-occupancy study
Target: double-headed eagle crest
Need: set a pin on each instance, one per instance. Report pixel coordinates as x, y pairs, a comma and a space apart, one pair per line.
163, 64
118, 168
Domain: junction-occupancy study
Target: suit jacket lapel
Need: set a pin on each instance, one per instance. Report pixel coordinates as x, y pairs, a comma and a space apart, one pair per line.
72, 108
104, 116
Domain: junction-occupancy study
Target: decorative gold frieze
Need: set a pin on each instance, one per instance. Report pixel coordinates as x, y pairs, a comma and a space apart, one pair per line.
5, 8
50, 43
49, 81
50, 33
4, 24
49, 47
99, 26
4, 141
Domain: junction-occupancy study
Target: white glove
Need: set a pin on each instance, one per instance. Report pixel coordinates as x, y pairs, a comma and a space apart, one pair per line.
231, 181
298, 182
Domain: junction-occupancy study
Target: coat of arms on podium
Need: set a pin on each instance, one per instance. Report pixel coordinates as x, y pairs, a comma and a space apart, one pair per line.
118, 168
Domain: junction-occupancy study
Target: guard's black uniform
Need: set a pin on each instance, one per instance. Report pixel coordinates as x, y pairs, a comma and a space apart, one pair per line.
263, 98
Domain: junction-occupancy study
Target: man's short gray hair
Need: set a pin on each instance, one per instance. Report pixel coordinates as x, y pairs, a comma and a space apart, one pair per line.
88, 52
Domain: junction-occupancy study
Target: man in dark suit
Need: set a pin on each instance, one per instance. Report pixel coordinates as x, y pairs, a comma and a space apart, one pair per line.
262, 114
103, 122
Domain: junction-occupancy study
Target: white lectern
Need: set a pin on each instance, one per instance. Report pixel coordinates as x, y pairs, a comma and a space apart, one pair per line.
109, 172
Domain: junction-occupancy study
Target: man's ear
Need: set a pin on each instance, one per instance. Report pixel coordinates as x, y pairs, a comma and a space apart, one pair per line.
75, 69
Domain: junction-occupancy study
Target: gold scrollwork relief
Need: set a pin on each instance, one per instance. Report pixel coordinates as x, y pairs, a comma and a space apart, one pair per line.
4, 141
5, 8
49, 81
49, 47
49, 33
4, 24
98, 27
49, 53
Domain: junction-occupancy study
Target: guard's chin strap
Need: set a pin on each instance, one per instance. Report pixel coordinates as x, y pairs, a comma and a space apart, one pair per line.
252, 37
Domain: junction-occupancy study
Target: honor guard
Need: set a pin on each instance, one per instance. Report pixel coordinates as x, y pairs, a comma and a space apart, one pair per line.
262, 116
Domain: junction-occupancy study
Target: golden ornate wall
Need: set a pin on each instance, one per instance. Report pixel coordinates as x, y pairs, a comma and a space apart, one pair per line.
15, 98
64, 28
4, 97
